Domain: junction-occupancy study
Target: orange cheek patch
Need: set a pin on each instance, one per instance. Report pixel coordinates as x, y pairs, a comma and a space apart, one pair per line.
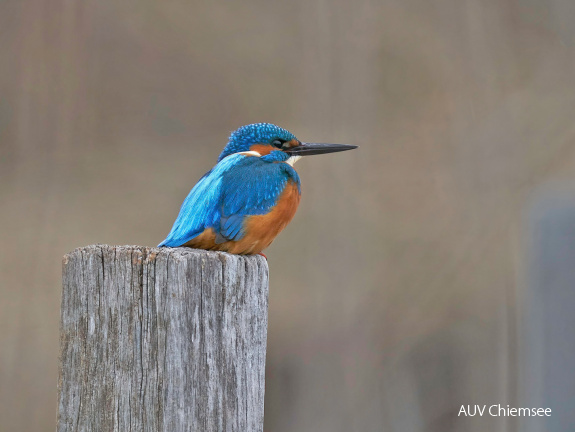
292, 143
262, 149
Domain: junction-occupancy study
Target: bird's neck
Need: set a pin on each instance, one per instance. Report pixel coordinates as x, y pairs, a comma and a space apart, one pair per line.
292, 160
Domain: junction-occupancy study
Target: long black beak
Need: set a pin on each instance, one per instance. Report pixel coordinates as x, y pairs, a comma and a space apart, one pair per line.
308, 149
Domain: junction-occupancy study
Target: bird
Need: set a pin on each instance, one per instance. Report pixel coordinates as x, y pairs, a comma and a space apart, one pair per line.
249, 196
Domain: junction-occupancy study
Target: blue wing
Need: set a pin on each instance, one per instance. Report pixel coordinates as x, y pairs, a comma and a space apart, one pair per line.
201, 207
237, 187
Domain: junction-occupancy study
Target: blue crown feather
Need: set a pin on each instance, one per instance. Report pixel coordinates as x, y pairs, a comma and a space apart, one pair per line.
243, 138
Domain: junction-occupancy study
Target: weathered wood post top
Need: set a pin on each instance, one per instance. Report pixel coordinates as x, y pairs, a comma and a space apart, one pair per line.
162, 340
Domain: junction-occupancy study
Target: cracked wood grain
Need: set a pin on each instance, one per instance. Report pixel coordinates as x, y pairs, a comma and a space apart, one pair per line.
162, 340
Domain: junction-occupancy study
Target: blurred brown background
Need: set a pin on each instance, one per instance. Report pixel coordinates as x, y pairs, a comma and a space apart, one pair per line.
429, 269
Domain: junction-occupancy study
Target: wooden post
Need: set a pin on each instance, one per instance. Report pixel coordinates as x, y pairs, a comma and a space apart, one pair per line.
162, 340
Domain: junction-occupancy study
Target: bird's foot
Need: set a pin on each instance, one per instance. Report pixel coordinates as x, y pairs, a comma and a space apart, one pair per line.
263, 256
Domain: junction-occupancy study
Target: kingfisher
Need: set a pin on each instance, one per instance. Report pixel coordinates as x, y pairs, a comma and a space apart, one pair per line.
249, 197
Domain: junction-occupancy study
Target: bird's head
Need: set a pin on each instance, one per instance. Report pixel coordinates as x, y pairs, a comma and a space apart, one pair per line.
263, 138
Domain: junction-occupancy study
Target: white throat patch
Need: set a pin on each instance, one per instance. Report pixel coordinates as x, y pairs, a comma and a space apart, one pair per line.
292, 160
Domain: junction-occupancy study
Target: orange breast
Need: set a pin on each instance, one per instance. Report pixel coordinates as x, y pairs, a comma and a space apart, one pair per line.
259, 230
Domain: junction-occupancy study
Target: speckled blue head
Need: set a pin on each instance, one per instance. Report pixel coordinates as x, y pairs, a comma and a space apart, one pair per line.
243, 138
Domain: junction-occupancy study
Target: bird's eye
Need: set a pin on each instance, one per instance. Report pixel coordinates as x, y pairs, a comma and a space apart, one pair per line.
277, 143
